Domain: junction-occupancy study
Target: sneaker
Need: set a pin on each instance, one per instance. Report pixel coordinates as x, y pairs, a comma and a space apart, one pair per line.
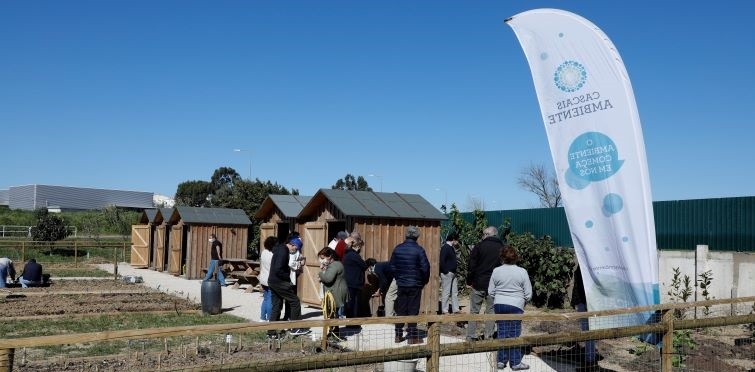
299, 331
501, 365
399, 339
520, 367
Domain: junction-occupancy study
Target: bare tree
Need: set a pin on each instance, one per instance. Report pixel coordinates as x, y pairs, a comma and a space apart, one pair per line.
539, 181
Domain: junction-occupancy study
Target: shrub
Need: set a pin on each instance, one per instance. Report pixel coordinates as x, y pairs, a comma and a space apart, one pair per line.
549, 267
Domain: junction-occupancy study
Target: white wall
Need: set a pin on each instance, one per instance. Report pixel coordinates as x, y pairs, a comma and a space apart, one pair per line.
733, 272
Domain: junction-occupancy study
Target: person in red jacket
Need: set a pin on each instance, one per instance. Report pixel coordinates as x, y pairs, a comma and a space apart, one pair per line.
341, 245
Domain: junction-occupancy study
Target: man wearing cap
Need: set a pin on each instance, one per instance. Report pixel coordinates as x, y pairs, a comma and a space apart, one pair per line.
216, 255
281, 287
411, 269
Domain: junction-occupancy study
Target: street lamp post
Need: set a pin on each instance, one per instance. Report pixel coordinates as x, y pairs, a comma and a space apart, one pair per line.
445, 196
250, 160
380, 178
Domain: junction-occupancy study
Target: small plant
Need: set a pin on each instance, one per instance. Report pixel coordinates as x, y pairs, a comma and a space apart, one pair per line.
704, 282
641, 349
680, 291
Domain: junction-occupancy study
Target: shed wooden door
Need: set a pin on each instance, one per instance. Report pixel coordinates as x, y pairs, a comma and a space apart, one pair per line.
309, 280
140, 246
266, 229
159, 245
174, 257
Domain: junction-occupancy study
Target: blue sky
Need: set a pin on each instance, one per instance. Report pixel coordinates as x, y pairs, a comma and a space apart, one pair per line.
143, 95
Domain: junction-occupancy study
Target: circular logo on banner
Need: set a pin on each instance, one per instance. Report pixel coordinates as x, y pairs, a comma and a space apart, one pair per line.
570, 76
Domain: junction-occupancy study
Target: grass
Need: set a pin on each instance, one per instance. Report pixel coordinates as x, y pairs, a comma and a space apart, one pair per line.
47, 327
82, 272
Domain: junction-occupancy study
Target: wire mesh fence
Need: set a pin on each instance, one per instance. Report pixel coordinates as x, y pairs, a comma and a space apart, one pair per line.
65, 257
719, 339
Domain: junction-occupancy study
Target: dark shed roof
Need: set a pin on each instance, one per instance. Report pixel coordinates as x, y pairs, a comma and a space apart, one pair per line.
289, 205
166, 212
214, 216
376, 204
148, 215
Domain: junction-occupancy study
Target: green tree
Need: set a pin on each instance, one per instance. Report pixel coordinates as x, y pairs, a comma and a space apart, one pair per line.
550, 268
49, 227
119, 221
194, 193
224, 177
351, 183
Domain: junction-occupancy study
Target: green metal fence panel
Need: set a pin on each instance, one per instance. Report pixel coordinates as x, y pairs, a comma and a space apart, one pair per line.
724, 224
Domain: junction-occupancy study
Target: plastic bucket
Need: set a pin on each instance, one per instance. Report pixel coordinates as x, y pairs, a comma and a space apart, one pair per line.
400, 366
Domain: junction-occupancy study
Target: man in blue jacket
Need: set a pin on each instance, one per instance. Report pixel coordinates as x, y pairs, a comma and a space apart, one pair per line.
411, 270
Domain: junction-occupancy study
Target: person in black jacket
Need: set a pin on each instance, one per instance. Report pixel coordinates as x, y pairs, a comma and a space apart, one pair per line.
281, 287
485, 257
411, 269
385, 277
354, 266
32, 275
449, 287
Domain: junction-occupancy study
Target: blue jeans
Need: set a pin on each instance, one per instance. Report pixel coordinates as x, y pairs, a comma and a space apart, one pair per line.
584, 325
3, 275
215, 264
509, 329
267, 303
28, 283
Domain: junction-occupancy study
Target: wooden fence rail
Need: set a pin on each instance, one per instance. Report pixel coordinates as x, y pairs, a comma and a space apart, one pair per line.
433, 350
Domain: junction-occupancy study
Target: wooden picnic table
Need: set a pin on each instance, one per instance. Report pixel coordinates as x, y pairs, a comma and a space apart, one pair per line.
242, 270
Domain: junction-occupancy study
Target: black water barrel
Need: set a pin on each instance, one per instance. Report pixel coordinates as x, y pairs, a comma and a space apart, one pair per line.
211, 297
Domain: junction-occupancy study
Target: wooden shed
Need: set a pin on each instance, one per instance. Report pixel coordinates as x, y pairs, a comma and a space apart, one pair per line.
142, 238
161, 240
381, 219
279, 216
190, 228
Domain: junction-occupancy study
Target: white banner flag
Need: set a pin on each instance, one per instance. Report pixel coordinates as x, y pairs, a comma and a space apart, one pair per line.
598, 151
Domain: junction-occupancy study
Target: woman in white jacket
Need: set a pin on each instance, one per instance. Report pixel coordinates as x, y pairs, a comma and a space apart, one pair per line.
266, 257
510, 286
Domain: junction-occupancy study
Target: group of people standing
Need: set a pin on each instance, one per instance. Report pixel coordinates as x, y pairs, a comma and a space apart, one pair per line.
497, 284
342, 275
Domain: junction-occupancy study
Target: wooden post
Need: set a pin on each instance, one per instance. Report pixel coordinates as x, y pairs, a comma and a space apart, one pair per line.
433, 341
23, 251
75, 253
6, 360
115, 263
668, 341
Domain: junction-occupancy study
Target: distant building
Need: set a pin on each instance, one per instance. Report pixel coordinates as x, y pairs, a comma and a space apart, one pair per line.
65, 198
163, 201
